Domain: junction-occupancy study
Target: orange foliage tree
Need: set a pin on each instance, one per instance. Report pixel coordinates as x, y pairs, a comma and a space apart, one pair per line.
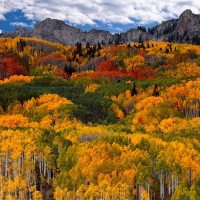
107, 65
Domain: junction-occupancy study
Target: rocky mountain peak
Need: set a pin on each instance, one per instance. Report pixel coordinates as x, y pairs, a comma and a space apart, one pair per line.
50, 24
18, 32
187, 13
184, 29
188, 25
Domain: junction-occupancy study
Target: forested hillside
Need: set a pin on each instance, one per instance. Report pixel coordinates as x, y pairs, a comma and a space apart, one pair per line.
86, 122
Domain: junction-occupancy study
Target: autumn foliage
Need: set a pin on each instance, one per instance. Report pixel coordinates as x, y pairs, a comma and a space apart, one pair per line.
99, 122
107, 66
10, 67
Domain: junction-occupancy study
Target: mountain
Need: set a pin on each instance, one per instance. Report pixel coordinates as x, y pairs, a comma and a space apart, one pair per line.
184, 29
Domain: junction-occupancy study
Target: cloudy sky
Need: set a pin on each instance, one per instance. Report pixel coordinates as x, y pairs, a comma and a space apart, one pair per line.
112, 15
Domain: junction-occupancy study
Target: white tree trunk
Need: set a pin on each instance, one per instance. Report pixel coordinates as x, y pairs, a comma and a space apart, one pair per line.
161, 185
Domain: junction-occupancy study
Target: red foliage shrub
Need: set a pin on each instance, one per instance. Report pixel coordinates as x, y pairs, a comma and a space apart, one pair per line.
107, 65
61, 73
10, 67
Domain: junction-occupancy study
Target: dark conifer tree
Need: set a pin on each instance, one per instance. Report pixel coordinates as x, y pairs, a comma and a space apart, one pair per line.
140, 39
155, 91
134, 91
87, 45
99, 46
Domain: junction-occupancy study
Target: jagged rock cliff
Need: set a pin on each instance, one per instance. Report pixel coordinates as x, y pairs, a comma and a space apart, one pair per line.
56, 31
19, 32
185, 29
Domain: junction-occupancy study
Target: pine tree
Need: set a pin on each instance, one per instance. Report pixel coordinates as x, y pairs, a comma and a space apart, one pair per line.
134, 91
140, 39
155, 91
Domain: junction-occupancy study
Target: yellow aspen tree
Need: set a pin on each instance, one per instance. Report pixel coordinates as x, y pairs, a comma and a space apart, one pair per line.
144, 195
60, 194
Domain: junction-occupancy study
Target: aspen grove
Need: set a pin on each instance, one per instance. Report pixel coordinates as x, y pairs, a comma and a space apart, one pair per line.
103, 122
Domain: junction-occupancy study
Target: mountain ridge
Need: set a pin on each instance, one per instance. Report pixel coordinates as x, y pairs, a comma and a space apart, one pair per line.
185, 29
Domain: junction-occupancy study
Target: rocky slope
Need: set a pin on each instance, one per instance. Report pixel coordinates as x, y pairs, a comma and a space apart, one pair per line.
184, 29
